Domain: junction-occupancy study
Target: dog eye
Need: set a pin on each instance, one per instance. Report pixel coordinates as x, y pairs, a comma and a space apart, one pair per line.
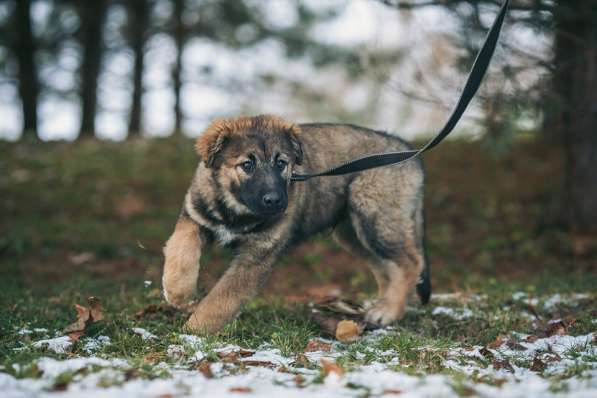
281, 164
248, 166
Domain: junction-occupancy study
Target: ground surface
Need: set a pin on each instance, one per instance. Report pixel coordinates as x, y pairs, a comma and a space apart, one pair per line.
90, 220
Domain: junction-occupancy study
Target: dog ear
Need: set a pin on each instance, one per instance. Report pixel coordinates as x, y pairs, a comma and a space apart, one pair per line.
211, 141
297, 147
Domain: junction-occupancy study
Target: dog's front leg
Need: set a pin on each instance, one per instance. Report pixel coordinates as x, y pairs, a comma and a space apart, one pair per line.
181, 266
238, 285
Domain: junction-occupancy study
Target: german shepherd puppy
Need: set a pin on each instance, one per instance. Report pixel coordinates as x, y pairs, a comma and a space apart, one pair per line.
242, 197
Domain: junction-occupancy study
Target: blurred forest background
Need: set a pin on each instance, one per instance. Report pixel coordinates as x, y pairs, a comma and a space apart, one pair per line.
514, 193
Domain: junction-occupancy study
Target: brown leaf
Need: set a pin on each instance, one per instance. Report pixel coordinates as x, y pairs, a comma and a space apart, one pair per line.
299, 380
241, 389
497, 343
262, 364
538, 365
556, 328
348, 331
531, 338
486, 353
85, 316
393, 391
230, 356
497, 365
301, 361
513, 344
205, 368
153, 357
96, 311
245, 353
331, 367
316, 345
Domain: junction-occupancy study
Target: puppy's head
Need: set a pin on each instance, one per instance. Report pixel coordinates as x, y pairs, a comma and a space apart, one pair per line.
251, 160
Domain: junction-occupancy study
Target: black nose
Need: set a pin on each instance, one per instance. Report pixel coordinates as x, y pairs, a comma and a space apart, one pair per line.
272, 199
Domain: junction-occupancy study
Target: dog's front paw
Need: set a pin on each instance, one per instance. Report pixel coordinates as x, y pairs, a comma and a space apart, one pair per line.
383, 313
179, 291
202, 323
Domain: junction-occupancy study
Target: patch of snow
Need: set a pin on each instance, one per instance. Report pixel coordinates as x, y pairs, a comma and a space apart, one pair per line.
459, 314
52, 368
175, 351
59, 344
552, 301
558, 299
94, 344
191, 340
146, 283
269, 355
145, 335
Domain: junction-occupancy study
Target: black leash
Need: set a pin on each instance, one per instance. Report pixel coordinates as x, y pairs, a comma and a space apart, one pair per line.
472, 85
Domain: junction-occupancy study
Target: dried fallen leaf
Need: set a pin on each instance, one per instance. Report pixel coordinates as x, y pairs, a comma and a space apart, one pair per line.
513, 344
245, 353
538, 365
85, 316
531, 338
153, 357
497, 343
241, 389
316, 345
301, 361
486, 353
262, 364
299, 380
348, 331
392, 391
331, 367
96, 311
497, 365
556, 328
205, 368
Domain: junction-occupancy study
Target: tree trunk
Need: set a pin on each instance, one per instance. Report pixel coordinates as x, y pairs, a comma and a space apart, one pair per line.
24, 49
179, 39
92, 15
138, 21
574, 115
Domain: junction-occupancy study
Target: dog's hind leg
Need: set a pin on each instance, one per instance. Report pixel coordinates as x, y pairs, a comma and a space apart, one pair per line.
346, 237
385, 207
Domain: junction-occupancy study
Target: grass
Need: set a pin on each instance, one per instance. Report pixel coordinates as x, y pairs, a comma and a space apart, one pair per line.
90, 219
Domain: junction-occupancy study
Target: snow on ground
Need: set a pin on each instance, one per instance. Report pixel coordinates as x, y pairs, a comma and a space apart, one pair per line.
145, 335
522, 366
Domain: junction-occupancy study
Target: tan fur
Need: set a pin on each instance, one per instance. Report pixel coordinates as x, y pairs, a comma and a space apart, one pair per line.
211, 140
181, 268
